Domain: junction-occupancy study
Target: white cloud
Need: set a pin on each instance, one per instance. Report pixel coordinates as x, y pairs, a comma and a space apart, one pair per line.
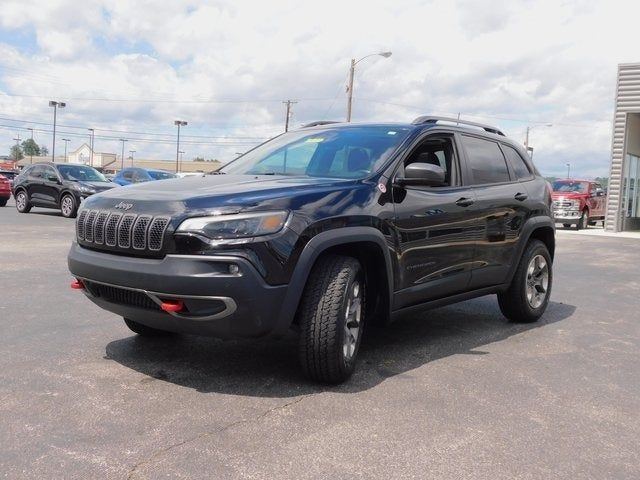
511, 63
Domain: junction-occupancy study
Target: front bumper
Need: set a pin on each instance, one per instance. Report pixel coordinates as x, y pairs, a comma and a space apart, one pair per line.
217, 302
571, 217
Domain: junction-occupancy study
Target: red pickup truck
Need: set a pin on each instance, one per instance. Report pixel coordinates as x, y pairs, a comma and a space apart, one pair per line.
578, 202
5, 190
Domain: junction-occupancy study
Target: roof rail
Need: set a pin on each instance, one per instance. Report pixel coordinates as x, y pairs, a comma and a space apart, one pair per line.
431, 119
319, 122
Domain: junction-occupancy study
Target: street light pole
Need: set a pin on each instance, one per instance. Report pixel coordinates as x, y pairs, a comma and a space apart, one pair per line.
568, 170
529, 128
122, 157
131, 152
66, 141
352, 71
179, 123
91, 137
55, 106
181, 158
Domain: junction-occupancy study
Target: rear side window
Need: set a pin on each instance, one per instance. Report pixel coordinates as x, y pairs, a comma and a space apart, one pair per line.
517, 163
486, 161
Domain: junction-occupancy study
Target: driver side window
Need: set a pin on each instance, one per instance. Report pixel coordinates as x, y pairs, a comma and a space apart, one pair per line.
437, 151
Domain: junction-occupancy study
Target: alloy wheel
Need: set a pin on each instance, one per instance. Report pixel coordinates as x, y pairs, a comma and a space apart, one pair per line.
67, 206
21, 201
537, 285
352, 323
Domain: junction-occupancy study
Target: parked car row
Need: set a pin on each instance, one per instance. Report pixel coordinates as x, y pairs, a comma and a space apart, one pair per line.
65, 186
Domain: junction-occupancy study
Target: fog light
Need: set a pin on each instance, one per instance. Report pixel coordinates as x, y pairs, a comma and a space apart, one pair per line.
234, 269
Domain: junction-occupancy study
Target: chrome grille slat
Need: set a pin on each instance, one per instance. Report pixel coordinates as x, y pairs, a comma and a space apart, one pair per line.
122, 231
156, 232
111, 229
98, 233
89, 225
139, 241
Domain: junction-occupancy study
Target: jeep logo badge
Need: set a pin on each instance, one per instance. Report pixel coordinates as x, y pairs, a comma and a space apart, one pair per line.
124, 206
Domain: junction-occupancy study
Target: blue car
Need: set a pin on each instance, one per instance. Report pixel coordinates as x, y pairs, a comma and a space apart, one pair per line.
131, 175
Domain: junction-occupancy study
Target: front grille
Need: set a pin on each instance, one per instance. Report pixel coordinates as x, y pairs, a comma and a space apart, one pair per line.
121, 232
562, 204
121, 296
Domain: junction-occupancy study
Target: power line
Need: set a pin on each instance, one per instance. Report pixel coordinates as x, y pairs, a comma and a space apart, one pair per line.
132, 132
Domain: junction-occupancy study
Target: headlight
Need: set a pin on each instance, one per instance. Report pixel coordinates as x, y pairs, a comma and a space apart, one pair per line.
84, 189
241, 225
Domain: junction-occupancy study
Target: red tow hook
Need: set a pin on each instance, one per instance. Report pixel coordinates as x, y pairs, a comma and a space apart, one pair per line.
77, 285
172, 305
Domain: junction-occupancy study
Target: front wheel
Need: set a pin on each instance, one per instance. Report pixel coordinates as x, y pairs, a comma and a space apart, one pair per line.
583, 223
331, 317
22, 202
68, 206
527, 297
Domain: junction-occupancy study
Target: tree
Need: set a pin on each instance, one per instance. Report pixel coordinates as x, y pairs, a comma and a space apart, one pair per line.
198, 159
29, 147
44, 150
16, 153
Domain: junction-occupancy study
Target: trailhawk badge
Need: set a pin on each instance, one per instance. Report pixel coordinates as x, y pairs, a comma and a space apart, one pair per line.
124, 206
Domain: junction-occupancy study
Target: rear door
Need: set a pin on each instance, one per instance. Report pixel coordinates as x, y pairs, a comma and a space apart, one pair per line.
434, 231
500, 207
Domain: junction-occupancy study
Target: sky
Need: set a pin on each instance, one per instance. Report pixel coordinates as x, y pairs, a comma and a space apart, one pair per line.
129, 68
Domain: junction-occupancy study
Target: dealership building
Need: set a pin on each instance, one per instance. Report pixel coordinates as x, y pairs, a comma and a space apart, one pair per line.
623, 209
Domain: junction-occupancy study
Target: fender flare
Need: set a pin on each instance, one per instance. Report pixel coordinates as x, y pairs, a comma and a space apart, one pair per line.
312, 250
530, 226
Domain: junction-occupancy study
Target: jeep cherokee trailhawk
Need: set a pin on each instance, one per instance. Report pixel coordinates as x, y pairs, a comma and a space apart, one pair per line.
325, 229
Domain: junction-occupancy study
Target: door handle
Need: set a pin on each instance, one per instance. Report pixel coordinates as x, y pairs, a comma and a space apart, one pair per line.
464, 202
521, 196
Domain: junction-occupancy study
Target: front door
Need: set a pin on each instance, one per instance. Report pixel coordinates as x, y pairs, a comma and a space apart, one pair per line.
433, 228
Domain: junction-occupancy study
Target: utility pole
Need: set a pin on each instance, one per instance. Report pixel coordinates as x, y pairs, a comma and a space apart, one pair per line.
131, 152
178, 123
526, 139
91, 138
352, 71
66, 141
288, 103
568, 170
31, 150
181, 158
122, 157
55, 106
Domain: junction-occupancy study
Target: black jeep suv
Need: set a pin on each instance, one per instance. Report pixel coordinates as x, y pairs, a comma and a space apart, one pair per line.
325, 229
57, 185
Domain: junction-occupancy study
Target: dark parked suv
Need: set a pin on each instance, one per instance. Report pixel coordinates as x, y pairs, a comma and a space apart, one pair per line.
325, 229
57, 185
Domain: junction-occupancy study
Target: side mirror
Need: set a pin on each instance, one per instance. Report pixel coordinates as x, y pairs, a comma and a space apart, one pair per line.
424, 174
53, 178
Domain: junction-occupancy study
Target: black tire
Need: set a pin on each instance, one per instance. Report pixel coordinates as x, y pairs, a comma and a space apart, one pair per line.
68, 211
23, 205
514, 303
3, 202
583, 223
593, 224
143, 330
324, 355
566, 225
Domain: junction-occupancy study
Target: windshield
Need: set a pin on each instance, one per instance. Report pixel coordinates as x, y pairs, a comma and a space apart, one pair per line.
81, 173
340, 152
576, 187
157, 175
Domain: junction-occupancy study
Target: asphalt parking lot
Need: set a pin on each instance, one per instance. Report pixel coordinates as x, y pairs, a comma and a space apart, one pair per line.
454, 393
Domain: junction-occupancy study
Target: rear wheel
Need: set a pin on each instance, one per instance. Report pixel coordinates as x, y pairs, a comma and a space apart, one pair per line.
143, 330
527, 297
23, 205
3, 202
68, 206
331, 318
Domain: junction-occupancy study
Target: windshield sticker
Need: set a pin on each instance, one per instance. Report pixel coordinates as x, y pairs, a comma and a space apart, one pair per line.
314, 140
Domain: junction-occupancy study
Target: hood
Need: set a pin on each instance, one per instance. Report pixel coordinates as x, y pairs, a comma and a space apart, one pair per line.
98, 186
220, 192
